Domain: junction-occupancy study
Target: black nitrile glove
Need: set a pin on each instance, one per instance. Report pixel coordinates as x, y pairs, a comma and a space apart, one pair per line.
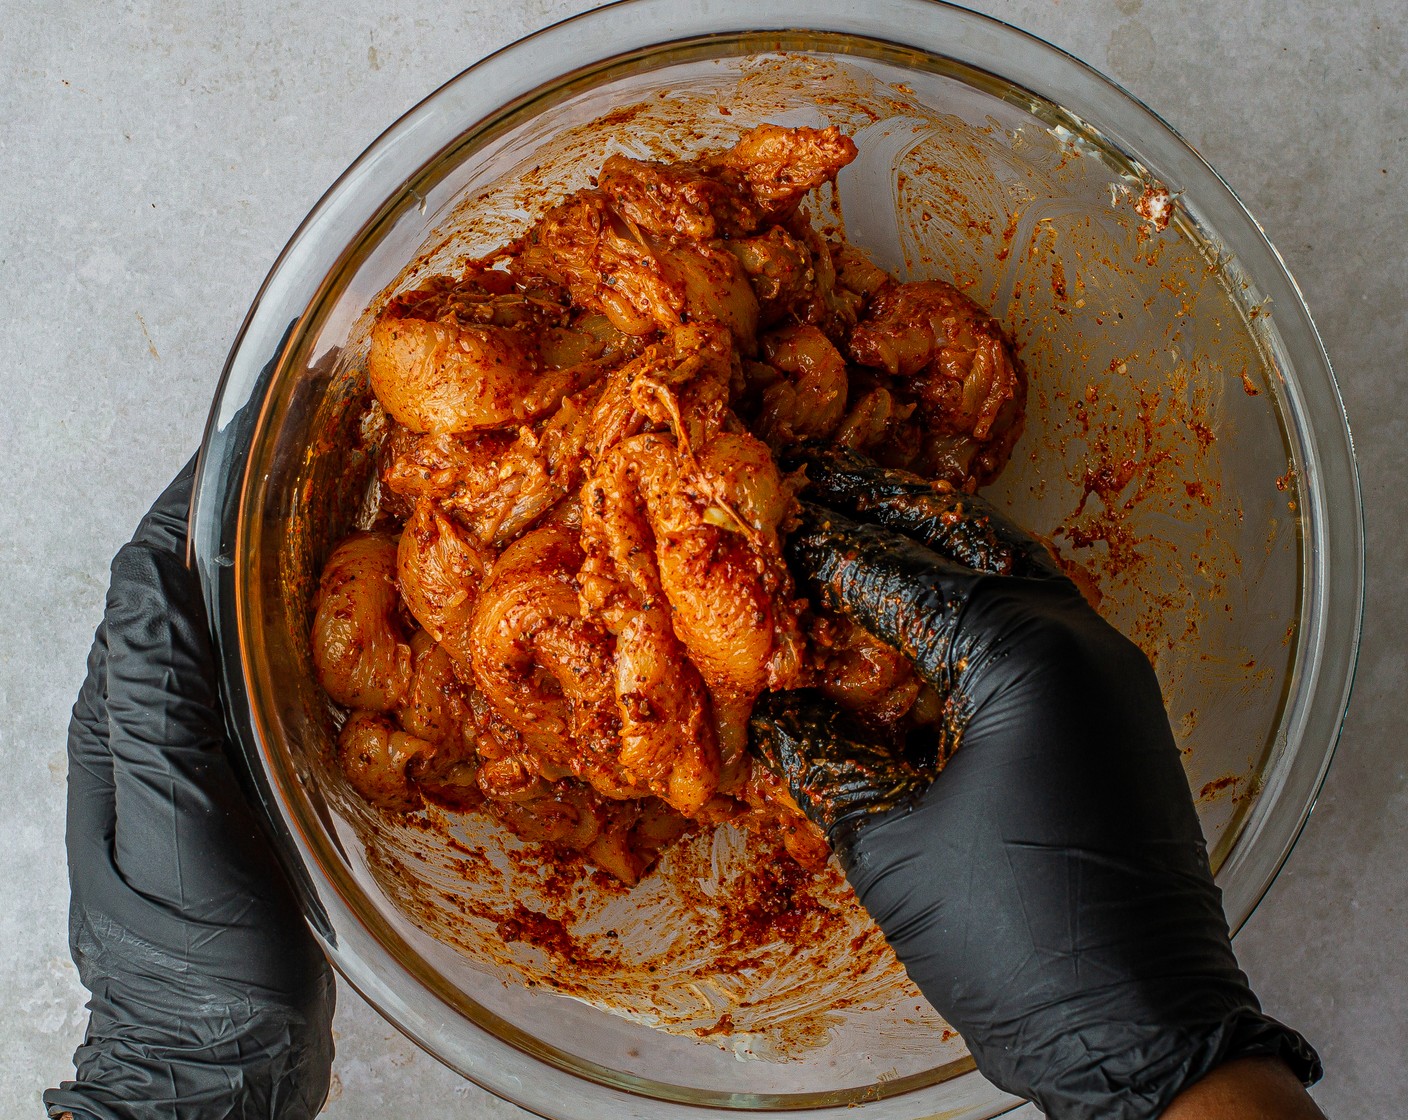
210, 998
1048, 888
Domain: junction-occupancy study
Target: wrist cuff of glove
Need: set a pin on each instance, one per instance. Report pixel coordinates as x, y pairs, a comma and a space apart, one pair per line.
1259, 1036
1150, 1074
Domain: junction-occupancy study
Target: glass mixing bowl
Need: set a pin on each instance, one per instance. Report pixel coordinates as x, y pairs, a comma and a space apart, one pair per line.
1185, 449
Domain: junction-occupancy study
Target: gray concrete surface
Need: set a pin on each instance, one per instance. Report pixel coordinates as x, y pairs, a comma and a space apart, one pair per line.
156, 154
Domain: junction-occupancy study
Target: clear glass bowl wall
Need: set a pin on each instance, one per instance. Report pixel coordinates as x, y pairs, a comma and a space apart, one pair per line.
1184, 447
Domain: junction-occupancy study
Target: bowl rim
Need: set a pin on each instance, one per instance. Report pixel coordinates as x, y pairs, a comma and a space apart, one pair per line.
643, 26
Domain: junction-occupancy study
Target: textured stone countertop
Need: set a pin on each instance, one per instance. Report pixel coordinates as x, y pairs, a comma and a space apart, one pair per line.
157, 154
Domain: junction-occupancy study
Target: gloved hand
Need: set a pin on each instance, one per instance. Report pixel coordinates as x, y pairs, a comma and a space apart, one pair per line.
1039, 868
210, 997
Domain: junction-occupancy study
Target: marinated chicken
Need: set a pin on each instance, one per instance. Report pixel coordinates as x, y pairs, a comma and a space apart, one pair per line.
575, 590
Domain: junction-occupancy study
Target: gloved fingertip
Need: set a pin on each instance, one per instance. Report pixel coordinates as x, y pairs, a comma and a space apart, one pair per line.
836, 768
165, 525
